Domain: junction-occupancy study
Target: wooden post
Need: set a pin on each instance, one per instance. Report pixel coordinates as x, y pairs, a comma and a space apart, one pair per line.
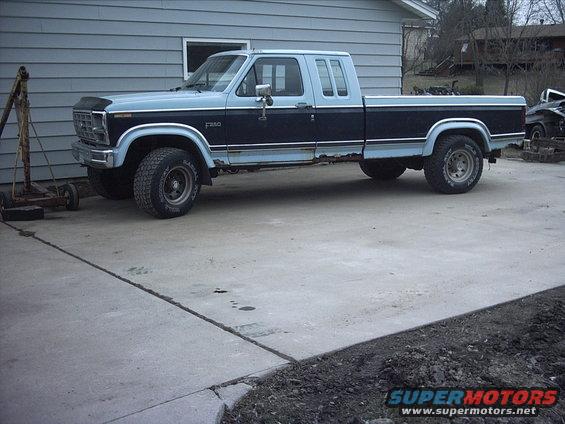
18, 99
10, 101
24, 130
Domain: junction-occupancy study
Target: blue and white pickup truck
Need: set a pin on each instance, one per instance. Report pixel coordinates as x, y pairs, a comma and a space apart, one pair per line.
265, 108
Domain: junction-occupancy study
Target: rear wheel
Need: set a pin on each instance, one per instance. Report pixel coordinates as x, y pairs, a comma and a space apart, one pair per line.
455, 166
167, 182
382, 169
113, 184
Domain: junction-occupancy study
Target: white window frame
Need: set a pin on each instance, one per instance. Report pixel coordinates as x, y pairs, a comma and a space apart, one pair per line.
186, 40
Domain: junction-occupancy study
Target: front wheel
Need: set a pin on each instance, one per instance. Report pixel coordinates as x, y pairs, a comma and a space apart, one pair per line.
167, 182
455, 166
537, 132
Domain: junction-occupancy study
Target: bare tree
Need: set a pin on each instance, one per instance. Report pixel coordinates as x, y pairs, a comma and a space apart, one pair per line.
512, 45
473, 18
456, 19
543, 74
414, 47
552, 10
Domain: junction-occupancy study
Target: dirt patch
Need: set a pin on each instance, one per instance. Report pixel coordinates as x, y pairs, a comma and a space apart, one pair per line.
516, 344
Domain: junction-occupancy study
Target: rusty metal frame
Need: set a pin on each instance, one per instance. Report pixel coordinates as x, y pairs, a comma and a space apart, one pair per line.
546, 150
32, 193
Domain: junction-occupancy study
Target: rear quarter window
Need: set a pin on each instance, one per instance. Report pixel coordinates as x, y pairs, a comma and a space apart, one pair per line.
325, 79
339, 77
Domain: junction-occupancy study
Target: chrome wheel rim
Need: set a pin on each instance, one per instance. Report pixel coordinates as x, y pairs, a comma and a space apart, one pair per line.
178, 185
459, 165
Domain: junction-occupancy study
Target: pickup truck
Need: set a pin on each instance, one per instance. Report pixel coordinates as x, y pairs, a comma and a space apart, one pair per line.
547, 118
266, 108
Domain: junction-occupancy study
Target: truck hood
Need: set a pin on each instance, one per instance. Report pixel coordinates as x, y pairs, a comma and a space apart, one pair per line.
182, 99
555, 107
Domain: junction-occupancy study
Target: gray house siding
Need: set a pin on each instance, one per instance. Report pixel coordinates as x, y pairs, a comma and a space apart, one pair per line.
76, 48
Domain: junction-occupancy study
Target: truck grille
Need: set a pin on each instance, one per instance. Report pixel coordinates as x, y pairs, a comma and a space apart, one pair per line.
83, 125
89, 126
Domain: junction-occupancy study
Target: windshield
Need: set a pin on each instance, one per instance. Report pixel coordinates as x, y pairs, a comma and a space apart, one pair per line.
215, 74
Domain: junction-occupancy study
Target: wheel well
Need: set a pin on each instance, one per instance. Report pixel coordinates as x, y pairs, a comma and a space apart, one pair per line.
530, 127
143, 145
469, 132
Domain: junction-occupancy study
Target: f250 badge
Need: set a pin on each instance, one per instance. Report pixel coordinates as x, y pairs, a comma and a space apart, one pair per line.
213, 124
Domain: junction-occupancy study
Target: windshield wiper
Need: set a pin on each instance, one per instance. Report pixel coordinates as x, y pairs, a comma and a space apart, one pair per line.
196, 84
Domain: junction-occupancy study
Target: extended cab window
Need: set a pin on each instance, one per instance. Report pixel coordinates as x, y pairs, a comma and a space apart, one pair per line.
283, 74
325, 79
339, 77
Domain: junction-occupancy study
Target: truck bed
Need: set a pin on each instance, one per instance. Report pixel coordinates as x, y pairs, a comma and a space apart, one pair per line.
409, 121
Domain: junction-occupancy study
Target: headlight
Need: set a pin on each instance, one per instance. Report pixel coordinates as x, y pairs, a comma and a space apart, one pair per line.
100, 127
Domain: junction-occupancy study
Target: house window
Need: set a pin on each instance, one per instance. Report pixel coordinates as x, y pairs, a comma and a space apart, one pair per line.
197, 50
283, 75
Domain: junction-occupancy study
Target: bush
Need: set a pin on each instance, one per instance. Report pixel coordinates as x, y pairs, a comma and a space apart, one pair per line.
472, 90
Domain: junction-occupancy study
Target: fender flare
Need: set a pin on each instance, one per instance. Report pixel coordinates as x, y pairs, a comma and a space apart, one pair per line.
456, 124
190, 133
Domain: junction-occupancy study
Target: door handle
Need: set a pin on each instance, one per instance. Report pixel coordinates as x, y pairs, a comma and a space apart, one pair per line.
303, 105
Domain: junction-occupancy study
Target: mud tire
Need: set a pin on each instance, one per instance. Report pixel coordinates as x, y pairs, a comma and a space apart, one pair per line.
436, 166
151, 177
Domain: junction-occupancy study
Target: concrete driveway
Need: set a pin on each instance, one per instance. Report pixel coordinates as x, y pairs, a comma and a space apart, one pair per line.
108, 314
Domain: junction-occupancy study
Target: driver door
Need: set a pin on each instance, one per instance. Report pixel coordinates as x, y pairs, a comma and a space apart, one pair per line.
286, 133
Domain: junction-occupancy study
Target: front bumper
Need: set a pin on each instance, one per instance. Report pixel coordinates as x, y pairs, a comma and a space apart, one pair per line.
91, 156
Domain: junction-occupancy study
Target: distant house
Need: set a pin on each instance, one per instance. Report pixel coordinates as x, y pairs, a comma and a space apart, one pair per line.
534, 42
100, 47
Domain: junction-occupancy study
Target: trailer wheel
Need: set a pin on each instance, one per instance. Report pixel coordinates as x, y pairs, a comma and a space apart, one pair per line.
167, 182
113, 184
5, 200
382, 169
455, 166
70, 192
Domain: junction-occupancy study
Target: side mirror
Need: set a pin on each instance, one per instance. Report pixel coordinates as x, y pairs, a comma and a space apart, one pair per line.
263, 93
263, 90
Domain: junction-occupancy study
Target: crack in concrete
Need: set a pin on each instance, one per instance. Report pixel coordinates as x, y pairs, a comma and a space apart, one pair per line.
212, 388
158, 295
158, 404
